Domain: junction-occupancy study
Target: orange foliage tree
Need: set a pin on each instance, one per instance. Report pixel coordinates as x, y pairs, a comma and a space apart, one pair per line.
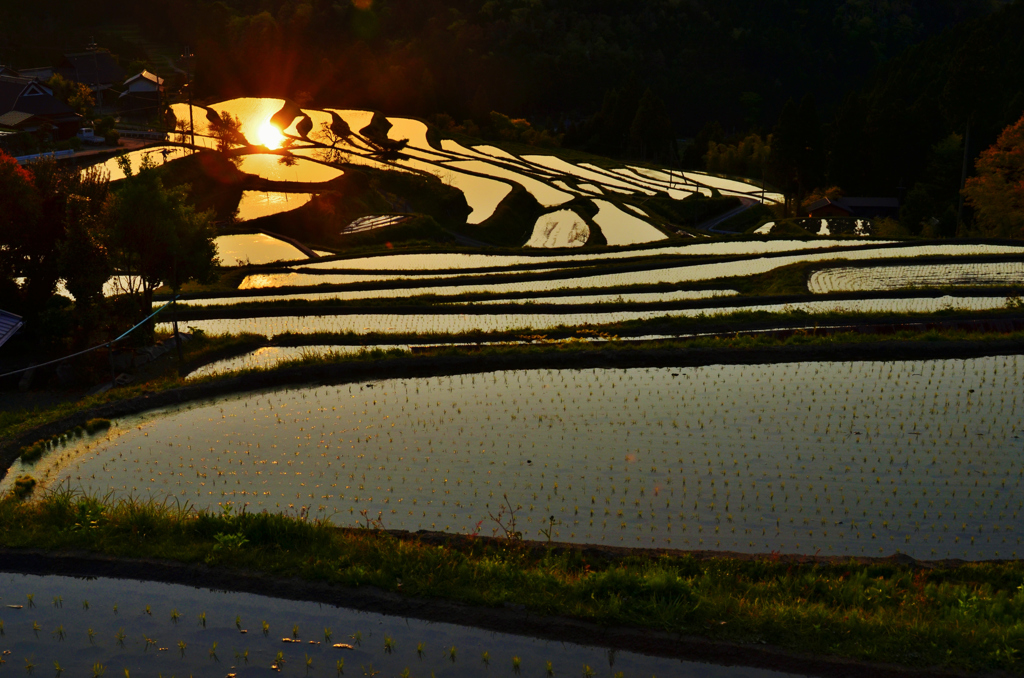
997, 193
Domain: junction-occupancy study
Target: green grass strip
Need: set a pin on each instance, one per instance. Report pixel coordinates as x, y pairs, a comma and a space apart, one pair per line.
967, 617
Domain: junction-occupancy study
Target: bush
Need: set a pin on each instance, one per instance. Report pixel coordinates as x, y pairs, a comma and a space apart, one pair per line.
33, 452
94, 425
23, 486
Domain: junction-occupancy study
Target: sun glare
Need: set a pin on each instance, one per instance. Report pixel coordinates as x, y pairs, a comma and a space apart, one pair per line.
270, 136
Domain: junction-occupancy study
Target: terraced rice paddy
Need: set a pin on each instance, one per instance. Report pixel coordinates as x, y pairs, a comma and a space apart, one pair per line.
484, 174
621, 228
576, 279
848, 458
256, 204
443, 260
100, 626
255, 248
255, 115
563, 228
272, 356
157, 155
287, 169
445, 323
876, 278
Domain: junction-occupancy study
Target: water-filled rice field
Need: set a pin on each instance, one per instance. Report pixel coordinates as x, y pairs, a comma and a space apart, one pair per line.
254, 248
484, 174
434, 323
115, 627
837, 458
926, 275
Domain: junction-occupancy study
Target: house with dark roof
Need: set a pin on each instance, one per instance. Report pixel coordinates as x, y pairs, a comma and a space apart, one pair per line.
142, 94
96, 68
863, 208
37, 107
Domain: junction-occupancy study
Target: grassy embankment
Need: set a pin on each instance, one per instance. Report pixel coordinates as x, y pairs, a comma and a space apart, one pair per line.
966, 617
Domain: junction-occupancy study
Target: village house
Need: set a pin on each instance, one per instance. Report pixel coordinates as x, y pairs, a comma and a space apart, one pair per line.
142, 95
27, 105
863, 208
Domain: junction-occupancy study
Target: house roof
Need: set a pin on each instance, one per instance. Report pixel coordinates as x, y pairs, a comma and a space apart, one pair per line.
14, 118
145, 75
10, 92
825, 202
9, 325
42, 73
98, 67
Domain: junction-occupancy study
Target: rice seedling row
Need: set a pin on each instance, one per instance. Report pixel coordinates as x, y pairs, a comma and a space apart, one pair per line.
107, 627
922, 275
845, 458
434, 323
668, 275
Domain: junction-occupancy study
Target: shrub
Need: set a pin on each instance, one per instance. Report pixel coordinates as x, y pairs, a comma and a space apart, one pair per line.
33, 452
94, 425
23, 486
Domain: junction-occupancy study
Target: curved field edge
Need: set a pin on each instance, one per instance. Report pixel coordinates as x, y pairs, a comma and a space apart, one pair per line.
823, 616
907, 342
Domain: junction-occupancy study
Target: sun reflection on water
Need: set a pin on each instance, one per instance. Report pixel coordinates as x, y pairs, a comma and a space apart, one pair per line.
270, 136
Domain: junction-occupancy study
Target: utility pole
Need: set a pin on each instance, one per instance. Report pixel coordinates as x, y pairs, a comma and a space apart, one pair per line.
92, 47
188, 85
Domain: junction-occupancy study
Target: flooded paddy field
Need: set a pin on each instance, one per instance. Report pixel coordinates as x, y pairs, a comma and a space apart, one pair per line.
450, 322
830, 458
100, 626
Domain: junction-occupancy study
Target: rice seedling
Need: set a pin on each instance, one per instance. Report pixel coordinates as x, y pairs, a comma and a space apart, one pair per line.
515, 664
120, 636
58, 668
339, 666
91, 634
452, 653
29, 667
202, 619
182, 647
548, 668
389, 644
420, 647
266, 627
98, 670
327, 634
213, 652
309, 663
58, 633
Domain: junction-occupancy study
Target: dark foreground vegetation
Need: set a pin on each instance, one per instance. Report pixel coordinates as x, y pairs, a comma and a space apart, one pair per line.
955, 616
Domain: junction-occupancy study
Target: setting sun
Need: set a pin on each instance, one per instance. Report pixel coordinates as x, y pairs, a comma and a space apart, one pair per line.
270, 136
